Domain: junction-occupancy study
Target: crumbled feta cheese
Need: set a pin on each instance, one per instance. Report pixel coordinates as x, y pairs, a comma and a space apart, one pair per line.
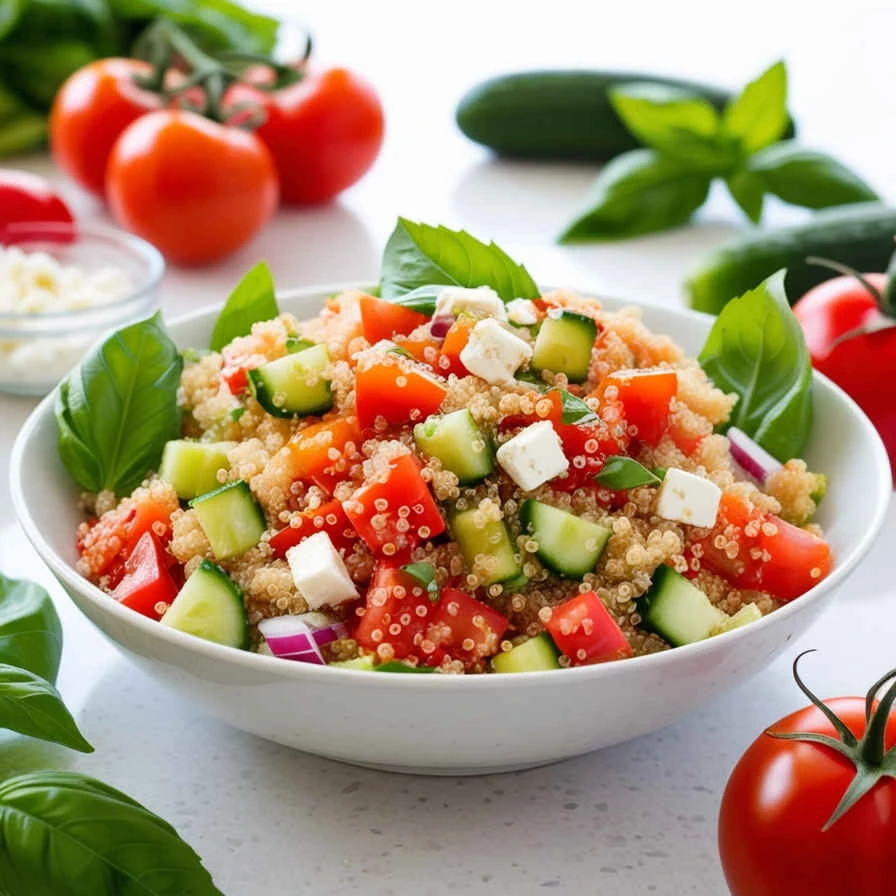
319, 573
481, 301
533, 456
493, 353
522, 312
688, 498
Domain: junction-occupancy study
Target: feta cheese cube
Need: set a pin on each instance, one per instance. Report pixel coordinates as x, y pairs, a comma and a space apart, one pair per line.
687, 498
533, 456
481, 301
319, 573
522, 312
493, 353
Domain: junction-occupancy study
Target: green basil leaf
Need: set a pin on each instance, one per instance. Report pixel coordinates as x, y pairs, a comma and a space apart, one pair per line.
422, 255
10, 13
574, 410
808, 178
675, 122
758, 117
65, 834
30, 631
116, 410
620, 472
252, 300
757, 350
638, 192
422, 299
397, 666
31, 705
748, 191
425, 573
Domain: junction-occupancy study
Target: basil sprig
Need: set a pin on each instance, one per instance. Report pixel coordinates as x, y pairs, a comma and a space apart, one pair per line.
253, 299
118, 407
690, 143
621, 472
30, 632
757, 350
574, 410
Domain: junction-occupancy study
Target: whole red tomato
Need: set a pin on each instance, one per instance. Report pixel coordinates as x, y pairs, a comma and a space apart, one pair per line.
90, 111
784, 826
324, 132
195, 189
854, 344
26, 198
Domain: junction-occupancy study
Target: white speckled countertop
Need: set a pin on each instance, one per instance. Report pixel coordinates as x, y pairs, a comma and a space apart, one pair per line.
639, 817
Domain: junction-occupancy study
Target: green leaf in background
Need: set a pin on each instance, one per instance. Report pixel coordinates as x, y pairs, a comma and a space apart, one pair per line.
675, 122
30, 631
422, 255
756, 349
116, 410
638, 192
747, 189
10, 13
36, 76
31, 705
574, 410
65, 834
620, 472
807, 177
758, 116
252, 300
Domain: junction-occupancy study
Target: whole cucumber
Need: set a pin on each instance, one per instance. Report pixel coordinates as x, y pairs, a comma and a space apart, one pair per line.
858, 235
560, 114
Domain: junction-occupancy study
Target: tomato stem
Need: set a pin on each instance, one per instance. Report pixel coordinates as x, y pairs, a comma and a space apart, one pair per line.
847, 271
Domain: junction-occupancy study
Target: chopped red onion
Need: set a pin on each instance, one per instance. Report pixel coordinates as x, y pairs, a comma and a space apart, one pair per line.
439, 326
751, 456
298, 637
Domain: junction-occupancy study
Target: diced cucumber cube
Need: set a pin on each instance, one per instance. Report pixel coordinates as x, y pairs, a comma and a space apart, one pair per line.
564, 343
294, 385
535, 655
486, 547
567, 544
457, 441
192, 467
231, 519
362, 663
744, 616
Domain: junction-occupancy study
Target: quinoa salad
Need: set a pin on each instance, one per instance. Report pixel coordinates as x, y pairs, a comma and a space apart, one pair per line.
490, 487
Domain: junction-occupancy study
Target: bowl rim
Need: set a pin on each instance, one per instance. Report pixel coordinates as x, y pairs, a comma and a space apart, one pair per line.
306, 672
122, 240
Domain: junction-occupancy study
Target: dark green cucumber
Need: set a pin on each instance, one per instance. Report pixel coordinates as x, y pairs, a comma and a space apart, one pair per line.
559, 114
858, 235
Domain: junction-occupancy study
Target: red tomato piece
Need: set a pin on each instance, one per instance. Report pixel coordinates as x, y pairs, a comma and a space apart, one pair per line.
584, 631
329, 517
323, 452
147, 585
453, 344
396, 614
27, 198
465, 628
646, 396
382, 320
396, 511
397, 391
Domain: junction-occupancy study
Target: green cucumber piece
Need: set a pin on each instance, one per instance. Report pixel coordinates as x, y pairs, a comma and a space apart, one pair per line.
294, 385
858, 235
210, 606
538, 654
488, 550
564, 343
364, 663
567, 544
678, 610
744, 616
458, 442
231, 519
192, 467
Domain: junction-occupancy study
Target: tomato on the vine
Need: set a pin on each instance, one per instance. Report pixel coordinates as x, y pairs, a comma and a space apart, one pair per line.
194, 188
324, 131
89, 112
810, 808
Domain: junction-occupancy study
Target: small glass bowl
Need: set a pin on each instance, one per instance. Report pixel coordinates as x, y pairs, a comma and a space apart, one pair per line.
38, 346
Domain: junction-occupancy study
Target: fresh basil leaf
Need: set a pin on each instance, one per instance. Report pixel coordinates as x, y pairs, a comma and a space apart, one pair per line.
236, 413
638, 192
620, 472
397, 666
758, 117
425, 573
30, 631
252, 300
10, 13
756, 349
116, 410
574, 410
748, 191
808, 178
31, 705
422, 299
65, 834
676, 122
422, 255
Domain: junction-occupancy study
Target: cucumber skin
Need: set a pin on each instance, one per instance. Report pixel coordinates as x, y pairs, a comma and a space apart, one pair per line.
560, 114
859, 235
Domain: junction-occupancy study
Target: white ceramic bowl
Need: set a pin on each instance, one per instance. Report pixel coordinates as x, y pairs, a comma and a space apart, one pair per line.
460, 724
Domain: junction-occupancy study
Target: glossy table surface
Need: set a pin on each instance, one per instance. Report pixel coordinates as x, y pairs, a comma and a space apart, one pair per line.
639, 817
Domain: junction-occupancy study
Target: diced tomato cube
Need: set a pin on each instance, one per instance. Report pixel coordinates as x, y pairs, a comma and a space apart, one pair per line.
454, 343
465, 628
323, 452
396, 511
382, 320
329, 517
646, 397
147, 585
396, 390
584, 630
